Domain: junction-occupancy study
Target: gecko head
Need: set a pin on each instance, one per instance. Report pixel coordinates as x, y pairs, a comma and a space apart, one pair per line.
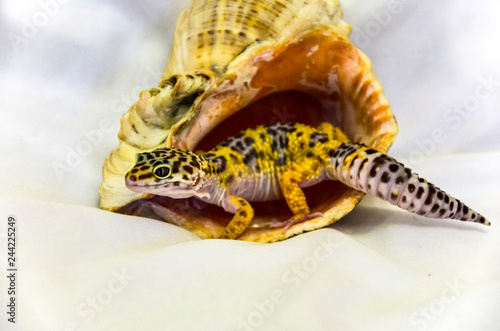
167, 172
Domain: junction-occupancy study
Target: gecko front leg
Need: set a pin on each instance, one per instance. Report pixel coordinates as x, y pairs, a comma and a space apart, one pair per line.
243, 215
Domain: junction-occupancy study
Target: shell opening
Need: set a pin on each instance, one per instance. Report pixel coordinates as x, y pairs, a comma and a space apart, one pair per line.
317, 77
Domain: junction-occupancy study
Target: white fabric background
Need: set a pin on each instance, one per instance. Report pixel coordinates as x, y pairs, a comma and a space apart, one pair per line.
81, 268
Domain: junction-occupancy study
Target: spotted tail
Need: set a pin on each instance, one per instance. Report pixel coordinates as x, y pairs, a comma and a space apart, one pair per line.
375, 173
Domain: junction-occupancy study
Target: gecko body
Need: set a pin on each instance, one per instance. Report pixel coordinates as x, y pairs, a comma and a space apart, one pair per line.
277, 161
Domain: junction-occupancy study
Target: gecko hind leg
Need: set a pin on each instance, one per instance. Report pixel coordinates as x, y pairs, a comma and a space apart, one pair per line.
294, 196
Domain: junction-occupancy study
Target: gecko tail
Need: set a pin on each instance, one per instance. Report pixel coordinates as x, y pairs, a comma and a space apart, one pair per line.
378, 174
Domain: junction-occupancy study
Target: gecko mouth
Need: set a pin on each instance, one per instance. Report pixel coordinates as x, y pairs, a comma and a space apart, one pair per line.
318, 77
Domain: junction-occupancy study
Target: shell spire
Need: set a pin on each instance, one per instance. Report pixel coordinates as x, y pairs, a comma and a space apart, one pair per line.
210, 34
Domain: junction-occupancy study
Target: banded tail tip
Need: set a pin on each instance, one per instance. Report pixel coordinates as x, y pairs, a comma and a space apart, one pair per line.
375, 173
482, 220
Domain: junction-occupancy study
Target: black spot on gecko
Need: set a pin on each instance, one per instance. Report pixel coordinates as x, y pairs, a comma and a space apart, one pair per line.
370, 151
435, 208
385, 177
411, 188
243, 213
240, 146
188, 169
157, 163
221, 162
393, 167
175, 166
242, 202
349, 152
145, 176
353, 160
183, 159
229, 179
176, 183
440, 195
248, 141
195, 164
420, 192
442, 212
272, 132
362, 165
274, 145
446, 198
140, 164
262, 136
394, 196
400, 180
145, 167
430, 196
299, 134
185, 177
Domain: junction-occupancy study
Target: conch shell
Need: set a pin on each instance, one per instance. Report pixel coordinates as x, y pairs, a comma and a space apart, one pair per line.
234, 65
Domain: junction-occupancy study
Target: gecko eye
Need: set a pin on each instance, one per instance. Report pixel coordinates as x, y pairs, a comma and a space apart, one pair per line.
162, 171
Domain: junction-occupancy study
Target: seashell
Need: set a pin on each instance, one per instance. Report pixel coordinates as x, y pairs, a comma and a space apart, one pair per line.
237, 64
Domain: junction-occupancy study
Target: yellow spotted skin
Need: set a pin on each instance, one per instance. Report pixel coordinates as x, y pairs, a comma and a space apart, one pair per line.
275, 161
293, 153
240, 220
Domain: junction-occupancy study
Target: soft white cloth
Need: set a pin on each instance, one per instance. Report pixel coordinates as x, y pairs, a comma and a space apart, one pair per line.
69, 69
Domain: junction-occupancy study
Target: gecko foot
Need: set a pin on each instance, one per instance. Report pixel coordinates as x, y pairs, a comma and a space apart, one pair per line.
293, 221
